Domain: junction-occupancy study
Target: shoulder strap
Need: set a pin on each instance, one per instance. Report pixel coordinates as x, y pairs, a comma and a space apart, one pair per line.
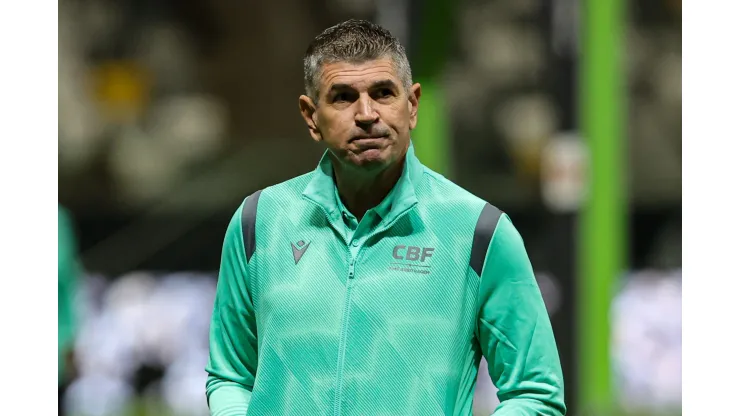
249, 219
484, 230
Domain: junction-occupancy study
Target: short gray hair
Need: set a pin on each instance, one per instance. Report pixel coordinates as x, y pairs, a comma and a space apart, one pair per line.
354, 41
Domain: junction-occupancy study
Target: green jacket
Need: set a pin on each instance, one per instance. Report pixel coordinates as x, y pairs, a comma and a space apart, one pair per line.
317, 313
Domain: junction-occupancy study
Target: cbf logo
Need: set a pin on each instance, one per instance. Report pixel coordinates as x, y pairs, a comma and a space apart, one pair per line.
412, 259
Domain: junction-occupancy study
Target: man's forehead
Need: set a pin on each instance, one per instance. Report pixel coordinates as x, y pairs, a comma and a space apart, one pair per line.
358, 73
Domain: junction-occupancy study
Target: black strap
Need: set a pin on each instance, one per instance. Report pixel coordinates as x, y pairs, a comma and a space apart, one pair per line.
484, 230
249, 219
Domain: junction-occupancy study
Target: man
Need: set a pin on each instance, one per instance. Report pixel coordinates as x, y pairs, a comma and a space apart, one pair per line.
372, 285
68, 271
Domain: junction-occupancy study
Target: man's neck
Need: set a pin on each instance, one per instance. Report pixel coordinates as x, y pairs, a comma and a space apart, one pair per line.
360, 193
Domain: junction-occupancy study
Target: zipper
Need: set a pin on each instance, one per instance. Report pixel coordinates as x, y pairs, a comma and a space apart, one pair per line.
345, 312
343, 337
338, 383
345, 317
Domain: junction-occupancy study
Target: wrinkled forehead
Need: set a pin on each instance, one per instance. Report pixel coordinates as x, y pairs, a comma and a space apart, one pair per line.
358, 75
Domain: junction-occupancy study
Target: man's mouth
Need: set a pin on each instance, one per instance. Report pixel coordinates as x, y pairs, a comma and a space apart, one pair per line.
368, 138
368, 142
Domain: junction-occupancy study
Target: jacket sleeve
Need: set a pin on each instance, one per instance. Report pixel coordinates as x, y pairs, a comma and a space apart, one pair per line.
232, 362
514, 330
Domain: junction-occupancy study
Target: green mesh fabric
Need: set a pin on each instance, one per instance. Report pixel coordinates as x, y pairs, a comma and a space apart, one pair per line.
388, 318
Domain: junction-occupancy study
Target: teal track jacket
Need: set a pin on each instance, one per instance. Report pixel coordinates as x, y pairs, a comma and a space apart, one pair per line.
319, 313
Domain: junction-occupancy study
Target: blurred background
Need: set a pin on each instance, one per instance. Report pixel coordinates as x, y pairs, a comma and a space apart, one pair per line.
565, 114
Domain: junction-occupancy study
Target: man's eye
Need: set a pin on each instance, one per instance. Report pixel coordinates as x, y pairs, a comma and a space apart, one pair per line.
384, 93
342, 97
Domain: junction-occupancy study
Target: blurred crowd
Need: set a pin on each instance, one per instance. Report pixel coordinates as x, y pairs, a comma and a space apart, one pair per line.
154, 93
646, 341
133, 115
143, 341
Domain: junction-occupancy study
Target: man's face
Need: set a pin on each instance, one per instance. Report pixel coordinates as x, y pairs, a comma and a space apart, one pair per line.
364, 115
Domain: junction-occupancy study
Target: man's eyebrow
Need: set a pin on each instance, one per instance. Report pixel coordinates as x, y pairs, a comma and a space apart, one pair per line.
386, 83
340, 87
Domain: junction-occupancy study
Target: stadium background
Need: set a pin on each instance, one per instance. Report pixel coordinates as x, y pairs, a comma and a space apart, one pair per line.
170, 112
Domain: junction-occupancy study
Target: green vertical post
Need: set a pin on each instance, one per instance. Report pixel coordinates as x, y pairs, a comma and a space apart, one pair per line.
432, 140
602, 225
432, 135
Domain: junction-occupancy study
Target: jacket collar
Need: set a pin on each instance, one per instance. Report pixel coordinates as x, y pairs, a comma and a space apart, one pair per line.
322, 189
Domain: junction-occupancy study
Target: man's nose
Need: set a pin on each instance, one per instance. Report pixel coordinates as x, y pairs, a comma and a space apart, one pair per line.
365, 113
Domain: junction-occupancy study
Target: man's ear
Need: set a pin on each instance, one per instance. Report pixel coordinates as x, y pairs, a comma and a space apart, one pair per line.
308, 112
414, 96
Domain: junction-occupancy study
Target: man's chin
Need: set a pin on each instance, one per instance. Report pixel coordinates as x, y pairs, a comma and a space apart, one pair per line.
371, 156
368, 160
